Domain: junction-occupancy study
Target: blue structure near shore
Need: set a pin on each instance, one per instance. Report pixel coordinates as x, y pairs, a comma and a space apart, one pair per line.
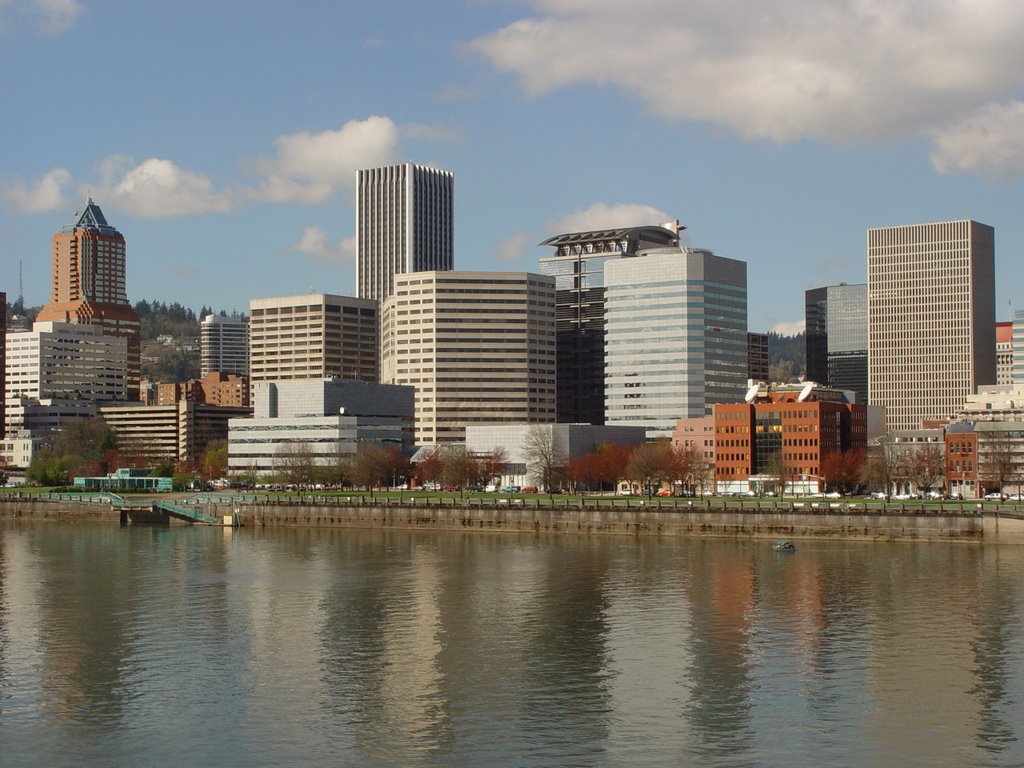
126, 479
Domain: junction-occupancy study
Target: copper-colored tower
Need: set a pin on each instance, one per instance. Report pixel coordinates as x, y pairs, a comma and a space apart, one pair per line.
88, 283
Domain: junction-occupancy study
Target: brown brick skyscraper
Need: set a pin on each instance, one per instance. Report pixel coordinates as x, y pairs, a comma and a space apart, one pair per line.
88, 283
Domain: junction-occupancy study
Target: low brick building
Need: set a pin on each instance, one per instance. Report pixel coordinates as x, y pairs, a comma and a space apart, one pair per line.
780, 434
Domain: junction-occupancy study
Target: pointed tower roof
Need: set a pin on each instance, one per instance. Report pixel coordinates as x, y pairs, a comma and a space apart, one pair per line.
88, 216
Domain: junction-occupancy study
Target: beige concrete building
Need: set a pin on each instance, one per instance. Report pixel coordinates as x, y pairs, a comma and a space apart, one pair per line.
58, 371
931, 318
479, 348
313, 336
179, 431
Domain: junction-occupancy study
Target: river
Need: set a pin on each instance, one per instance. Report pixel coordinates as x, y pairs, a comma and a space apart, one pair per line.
154, 646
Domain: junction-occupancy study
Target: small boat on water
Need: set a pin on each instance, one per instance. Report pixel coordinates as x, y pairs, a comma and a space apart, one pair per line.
784, 546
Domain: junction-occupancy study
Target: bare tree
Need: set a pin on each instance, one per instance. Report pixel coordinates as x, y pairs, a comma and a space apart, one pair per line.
650, 464
293, 460
996, 464
545, 457
689, 467
370, 466
430, 469
460, 466
775, 469
884, 467
925, 465
493, 465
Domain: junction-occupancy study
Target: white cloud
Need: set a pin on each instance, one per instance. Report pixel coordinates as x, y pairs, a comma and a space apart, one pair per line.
512, 248
309, 166
839, 71
314, 242
46, 194
989, 142
602, 216
157, 188
786, 328
56, 16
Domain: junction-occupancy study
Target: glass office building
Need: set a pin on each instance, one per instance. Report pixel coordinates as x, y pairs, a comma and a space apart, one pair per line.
837, 337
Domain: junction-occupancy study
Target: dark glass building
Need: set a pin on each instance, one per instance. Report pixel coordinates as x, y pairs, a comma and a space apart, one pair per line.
578, 269
837, 337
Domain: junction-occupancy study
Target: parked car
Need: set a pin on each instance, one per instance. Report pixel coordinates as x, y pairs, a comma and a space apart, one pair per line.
833, 495
491, 488
528, 489
995, 495
664, 492
510, 489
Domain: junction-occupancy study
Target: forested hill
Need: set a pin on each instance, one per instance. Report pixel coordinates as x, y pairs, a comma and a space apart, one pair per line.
787, 357
162, 319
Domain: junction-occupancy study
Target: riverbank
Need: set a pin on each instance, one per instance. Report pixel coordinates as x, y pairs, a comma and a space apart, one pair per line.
794, 522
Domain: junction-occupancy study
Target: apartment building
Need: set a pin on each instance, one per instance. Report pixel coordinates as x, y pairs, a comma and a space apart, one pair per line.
224, 345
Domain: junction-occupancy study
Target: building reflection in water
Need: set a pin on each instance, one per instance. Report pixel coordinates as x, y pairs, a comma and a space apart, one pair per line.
329, 647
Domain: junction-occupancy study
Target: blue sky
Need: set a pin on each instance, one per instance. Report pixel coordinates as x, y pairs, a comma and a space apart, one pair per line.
222, 138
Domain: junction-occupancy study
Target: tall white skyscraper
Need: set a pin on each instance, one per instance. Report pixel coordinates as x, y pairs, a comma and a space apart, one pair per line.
931, 318
675, 337
404, 223
224, 345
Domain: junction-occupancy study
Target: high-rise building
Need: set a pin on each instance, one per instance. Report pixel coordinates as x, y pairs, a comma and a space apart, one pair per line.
1018, 346
3, 357
676, 337
313, 336
404, 223
87, 283
578, 269
224, 345
1004, 353
757, 357
59, 371
931, 318
479, 347
837, 337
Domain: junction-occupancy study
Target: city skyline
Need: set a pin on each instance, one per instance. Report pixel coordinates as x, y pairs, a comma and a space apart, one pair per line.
231, 167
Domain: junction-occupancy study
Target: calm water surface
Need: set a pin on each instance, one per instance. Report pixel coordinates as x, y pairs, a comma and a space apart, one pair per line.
202, 646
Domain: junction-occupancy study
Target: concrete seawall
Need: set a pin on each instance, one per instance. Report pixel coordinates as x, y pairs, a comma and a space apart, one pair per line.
931, 525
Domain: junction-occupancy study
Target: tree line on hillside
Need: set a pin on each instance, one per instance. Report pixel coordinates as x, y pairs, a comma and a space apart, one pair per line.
787, 357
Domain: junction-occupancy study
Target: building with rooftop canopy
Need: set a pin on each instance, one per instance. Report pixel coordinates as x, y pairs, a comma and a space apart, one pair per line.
578, 268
